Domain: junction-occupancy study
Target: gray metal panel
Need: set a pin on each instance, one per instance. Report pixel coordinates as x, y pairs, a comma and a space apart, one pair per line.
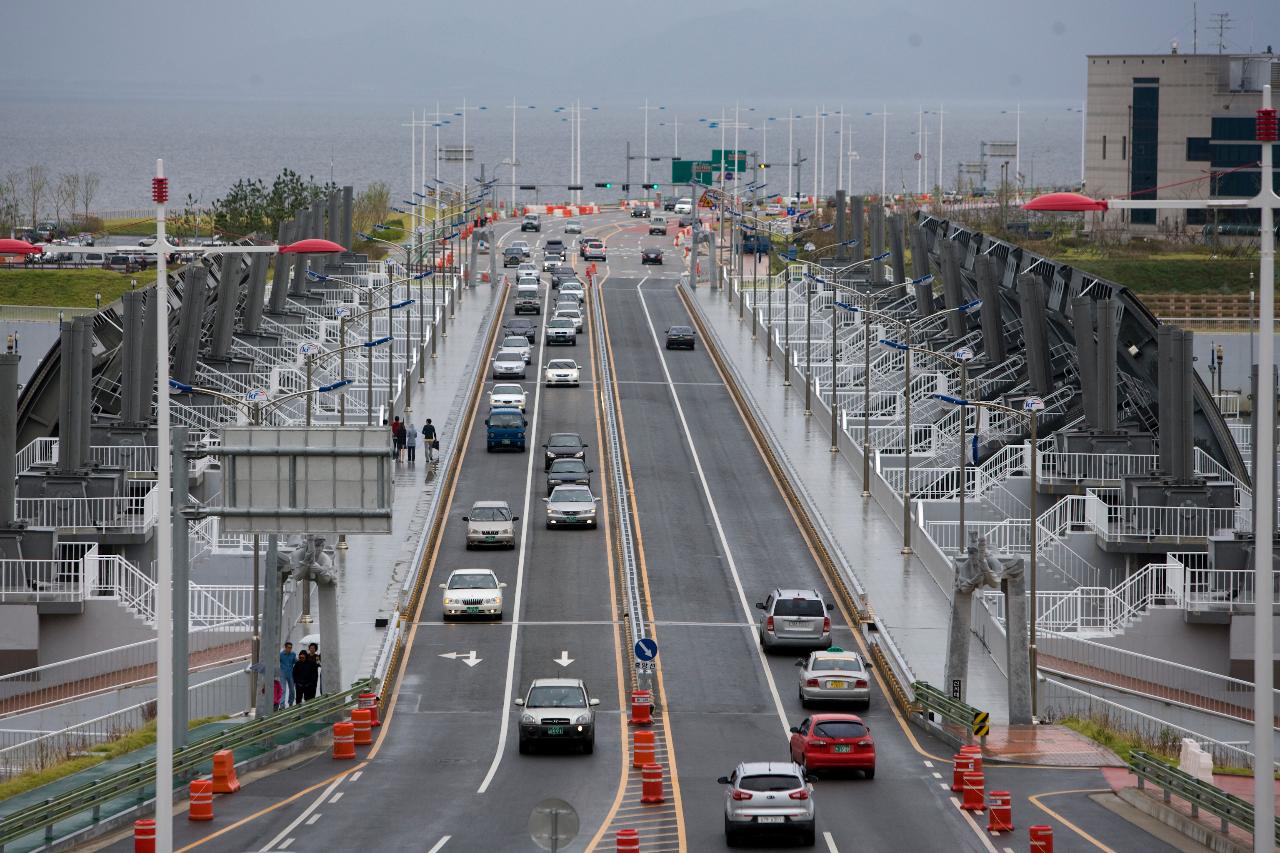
348, 211
949, 252
331, 226
145, 377
1031, 295
130, 354
855, 215
274, 477
284, 265
1086, 357
84, 386
224, 316
8, 434
190, 322
1184, 466
1165, 373
251, 318
919, 269
1108, 378
876, 221
899, 255
841, 231
988, 275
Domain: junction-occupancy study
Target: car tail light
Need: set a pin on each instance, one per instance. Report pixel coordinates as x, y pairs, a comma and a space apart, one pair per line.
826, 624
802, 794
739, 794
811, 682
866, 741
768, 624
819, 744
861, 682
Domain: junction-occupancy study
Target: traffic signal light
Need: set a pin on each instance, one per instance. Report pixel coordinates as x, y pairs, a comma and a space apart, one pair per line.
626, 188
575, 186
650, 186
605, 185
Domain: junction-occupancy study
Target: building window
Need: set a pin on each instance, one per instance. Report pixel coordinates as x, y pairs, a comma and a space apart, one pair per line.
1144, 162
1124, 148
1233, 129
1229, 155
1198, 149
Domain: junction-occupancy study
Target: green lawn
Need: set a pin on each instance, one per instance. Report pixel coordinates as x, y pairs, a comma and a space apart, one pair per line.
66, 288
1173, 275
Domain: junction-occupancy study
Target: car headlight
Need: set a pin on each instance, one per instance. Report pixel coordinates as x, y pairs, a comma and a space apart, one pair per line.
528, 719
550, 455
450, 601
578, 455
582, 720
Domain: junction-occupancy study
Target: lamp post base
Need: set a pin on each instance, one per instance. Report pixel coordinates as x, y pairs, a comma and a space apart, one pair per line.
906, 550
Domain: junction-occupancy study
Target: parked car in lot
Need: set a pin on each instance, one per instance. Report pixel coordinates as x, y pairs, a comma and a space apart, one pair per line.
569, 471
834, 742
768, 797
834, 675
557, 711
472, 592
794, 618
561, 371
651, 255
680, 337
571, 506
490, 523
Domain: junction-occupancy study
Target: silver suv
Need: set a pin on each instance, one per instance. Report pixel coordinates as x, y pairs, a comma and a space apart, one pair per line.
794, 618
558, 710
768, 796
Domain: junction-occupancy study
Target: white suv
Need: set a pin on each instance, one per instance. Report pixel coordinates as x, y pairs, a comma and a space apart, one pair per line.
684, 205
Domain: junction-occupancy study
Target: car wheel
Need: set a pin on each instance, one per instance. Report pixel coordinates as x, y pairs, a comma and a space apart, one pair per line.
804, 703
470, 547
869, 773
865, 705
731, 836
589, 746
524, 746
550, 525
808, 837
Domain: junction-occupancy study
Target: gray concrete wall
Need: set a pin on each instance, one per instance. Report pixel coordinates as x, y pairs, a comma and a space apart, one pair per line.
1164, 634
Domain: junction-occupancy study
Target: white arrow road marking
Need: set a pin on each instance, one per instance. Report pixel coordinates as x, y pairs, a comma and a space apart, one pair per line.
469, 658
564, 659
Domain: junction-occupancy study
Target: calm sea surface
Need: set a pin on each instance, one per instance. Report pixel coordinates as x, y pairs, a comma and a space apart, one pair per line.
209, 144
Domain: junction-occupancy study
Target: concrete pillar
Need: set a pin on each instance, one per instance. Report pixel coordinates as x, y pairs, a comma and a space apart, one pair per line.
8, 435
130, 353
330, 630
272, 601
348, 211
190, 323
898, 255
875, 217
493, 257
288, 232
145, 369
1108, 378
84, 387
840, 225
1013, 583
920, 268
1086, 358
856, 215
952, 287
69, 400
969, 575
181, 589
1166, 376
331, 224
224, 316
1185, 411
1035, 333
986, 270
251, 318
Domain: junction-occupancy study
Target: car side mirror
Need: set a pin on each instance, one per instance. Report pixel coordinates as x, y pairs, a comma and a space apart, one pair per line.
546, 500
591, 470
830, 606
594, 702
515, 518
759, 605
795, 730
443, 585
502, 585
464, 518
810, 778
486, 421
723, 780
519, 702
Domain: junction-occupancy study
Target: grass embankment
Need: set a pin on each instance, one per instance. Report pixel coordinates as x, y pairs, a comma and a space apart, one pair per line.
1170, 273
64, 288
1166, 748
97, 754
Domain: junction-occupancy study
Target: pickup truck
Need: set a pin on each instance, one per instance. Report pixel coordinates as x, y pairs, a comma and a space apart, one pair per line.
505, 429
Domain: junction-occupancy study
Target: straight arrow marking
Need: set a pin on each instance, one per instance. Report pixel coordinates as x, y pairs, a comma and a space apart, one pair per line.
564, 659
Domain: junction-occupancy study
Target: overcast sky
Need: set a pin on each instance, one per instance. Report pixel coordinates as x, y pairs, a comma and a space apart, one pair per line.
414, 51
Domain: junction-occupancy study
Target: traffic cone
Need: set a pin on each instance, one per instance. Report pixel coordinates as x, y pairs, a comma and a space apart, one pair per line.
344, 741
144, 836
362, 729
642, 748
200, 794
224, 772
651, 784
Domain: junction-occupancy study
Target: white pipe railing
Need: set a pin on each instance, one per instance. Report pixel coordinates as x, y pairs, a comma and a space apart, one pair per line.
133, 513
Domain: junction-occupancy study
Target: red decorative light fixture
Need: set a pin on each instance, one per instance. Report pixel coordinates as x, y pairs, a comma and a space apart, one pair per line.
1065, 203
314, 246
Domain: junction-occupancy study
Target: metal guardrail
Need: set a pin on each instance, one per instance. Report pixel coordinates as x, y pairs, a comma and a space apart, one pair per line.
187, 761
1228, 808
933, 700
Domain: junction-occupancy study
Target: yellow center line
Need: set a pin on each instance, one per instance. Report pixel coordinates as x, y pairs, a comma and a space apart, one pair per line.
1035, 801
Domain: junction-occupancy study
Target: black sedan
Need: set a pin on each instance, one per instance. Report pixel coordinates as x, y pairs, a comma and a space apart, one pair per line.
568, 471
520, 326
640, 211
651, 255
680, 337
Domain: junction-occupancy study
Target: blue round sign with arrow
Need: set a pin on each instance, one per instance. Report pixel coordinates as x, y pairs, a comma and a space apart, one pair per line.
646, 649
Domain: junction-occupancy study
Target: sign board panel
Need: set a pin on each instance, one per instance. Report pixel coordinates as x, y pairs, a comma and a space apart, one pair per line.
325, 479
689, 171
1003, 150
734, 160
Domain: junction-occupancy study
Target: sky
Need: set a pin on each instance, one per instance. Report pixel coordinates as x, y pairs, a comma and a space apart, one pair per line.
408, 51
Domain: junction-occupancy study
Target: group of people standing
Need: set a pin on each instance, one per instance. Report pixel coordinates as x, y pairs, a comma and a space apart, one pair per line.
299, 675
404, 439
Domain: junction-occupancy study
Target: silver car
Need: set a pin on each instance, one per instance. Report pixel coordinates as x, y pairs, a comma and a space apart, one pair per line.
570, 506
507, 363
575, 288
491, 523
472, 592
557, 710
517, 342
835, 675
768, 797
571, 226
794, 618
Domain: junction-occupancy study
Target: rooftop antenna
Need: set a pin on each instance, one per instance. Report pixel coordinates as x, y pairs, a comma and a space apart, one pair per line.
1195, 28
1222, 22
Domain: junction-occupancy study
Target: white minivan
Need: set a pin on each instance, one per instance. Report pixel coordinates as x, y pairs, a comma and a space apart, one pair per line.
528, 298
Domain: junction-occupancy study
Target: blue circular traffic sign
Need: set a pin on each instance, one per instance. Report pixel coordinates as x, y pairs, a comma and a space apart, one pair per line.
646, 649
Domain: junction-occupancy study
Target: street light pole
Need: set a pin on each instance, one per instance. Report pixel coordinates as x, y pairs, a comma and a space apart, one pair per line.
808, 348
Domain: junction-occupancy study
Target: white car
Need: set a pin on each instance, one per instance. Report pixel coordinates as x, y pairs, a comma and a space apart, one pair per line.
561, 371
572, 226
575, 289
526, 269
517, 342
522, 245
509, 364
472, 592
773, 210
503, 394
573, 314
684, 205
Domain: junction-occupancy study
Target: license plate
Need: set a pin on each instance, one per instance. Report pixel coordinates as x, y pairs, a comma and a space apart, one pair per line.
473, 609
506, 441
555, 730
491, 538
837, 685
768, 818
841, 747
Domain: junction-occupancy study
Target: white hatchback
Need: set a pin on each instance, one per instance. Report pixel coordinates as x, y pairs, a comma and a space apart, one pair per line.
562, 371
502, 395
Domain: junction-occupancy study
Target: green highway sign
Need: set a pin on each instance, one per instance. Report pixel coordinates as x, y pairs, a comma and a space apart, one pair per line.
691, 171
735, 161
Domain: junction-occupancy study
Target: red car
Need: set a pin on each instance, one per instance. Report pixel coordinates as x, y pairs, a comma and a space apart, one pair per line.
834, 742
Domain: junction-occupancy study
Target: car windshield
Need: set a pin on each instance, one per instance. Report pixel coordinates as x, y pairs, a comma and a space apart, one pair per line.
569, 466
561, 323
575, 496
508, 389
556, 697
770, 782
515, 341
681, 330
506, 419
798, 607
512, 250
510, 356
473, 580
490, 513
563, 440
836, 665
562, 365
840, 729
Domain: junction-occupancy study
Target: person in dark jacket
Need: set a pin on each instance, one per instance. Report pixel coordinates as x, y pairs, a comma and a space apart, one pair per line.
306, 674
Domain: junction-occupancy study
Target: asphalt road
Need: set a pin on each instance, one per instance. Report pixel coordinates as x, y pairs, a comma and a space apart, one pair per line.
716, 536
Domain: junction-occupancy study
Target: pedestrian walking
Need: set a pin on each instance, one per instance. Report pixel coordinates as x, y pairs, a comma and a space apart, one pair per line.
287, 661
397, 436
313, 652
306, 675
429, 440
411, 441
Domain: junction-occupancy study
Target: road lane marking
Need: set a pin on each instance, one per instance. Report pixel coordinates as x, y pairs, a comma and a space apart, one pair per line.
284, 844
715, 512
315, 817
937, 775
831, 843
274, 844
531, 442
337, 797
469, 658
564, 659
928, 764
439, 844
355, 777
1035, 801
977, 830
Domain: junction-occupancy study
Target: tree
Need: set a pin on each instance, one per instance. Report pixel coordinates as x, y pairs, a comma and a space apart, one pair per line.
89, 183
371, 206
251, 207
10, 202
35, 184
66, 195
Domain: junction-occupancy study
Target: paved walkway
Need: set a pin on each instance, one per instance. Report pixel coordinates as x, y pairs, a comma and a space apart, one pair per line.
911, 603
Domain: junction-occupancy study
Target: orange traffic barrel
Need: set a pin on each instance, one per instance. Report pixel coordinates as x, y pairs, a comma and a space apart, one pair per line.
201, 796
963, 764
974, 799
224, 772
1000, 812
1041, 838
344, 740
651, 784
628, 841
642, 748
144, 836
361, 727
369, 701
641, 708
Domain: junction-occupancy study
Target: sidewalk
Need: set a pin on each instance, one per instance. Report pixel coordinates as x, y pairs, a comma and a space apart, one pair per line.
911, 603
1122, 780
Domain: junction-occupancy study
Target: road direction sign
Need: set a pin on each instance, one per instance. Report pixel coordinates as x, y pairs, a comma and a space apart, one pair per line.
564, 659
646, 649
